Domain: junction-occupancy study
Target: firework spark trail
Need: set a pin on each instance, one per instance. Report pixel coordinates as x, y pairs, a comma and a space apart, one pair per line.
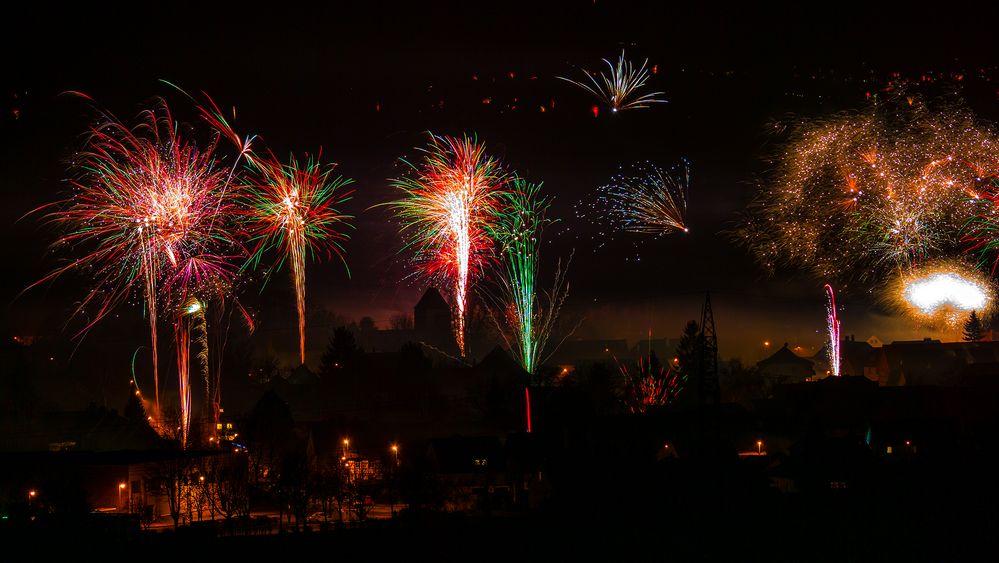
196, 309
293, 209
832, 324
518, 233
182, 341
980, 232
647, 199
143, 203
867, 195
524, 323
449, 202
619, 88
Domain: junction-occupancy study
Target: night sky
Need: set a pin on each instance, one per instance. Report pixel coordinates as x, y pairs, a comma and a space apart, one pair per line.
365, 85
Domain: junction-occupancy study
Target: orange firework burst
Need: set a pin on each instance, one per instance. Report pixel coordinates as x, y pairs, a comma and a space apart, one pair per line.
942, 293
865, 195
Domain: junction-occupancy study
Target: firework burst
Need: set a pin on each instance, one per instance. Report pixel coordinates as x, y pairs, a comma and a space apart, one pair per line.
294, 210
868, 195
522, 321
449, 203
942, 293
619, 88
651, 386
648, 199
143, 217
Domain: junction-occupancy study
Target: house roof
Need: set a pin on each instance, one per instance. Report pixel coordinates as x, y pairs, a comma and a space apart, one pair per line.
302, 375
785, 356
499, 359
432, 299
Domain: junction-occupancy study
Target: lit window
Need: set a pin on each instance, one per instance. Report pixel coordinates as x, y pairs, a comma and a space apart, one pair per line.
889, 449
218, 426
228, 426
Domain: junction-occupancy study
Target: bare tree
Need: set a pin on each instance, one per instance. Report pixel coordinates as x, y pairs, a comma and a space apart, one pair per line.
172, 476
402, 321
292, 485
326, 483
231, 480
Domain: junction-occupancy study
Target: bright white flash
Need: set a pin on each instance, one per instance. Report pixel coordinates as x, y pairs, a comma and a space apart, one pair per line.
938, 290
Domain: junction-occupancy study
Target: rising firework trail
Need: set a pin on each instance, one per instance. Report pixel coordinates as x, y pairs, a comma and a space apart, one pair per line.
449, 202
620, 87
146, 210
832, 324
294, 210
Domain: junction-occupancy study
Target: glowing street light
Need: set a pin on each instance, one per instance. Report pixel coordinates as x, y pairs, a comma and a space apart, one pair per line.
395, 472
759, 447
121, 487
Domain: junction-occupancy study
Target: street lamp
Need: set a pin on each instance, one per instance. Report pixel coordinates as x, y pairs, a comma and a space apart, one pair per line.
121, 487
759, 447
395, 478
31, 496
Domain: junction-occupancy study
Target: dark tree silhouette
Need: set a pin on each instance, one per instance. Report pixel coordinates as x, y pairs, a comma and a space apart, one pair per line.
688, 349
973, 329
268, 429
230, 495
366, 324
341, 352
